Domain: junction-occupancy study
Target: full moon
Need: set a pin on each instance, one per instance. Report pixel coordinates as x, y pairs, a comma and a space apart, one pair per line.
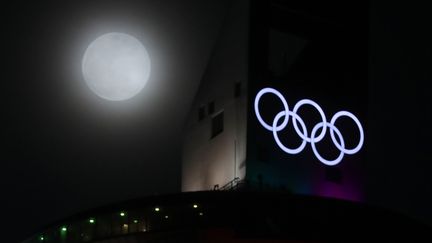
116, 66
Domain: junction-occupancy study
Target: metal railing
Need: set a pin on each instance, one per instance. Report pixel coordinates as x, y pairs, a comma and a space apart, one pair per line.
231, 185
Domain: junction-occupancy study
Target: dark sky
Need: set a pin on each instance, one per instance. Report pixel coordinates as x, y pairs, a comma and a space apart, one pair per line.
400, 108
65, 150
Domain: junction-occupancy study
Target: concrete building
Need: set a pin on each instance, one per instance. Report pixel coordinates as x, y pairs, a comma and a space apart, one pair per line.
214, 147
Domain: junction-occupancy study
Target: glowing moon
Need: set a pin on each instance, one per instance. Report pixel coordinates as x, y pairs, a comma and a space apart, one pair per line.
116, 66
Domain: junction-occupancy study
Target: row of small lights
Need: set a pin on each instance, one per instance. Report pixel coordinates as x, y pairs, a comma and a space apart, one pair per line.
63, 229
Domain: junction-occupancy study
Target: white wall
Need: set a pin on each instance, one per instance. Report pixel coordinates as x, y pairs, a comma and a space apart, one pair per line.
209, 161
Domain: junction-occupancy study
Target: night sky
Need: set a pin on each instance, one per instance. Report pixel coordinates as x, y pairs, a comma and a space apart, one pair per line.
65, 150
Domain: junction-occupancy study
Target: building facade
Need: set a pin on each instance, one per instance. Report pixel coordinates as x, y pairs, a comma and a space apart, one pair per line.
316, 59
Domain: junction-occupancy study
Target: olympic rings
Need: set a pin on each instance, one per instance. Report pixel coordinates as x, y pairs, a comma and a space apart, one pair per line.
303, 134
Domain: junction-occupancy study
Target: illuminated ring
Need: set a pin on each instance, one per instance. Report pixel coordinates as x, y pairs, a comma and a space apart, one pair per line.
276, 137
319, 157
303, 134
285, 104
320, 111
342, 147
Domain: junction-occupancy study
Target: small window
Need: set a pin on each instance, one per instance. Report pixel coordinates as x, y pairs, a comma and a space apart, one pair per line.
333, 174
211, 107
217, 124
237, 90
201, 113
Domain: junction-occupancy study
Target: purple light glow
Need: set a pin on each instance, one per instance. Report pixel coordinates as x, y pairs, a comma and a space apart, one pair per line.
345, 192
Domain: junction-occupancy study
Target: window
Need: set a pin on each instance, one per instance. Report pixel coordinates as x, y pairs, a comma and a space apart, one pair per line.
211, 107
217, 124
201, 113
333, 174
